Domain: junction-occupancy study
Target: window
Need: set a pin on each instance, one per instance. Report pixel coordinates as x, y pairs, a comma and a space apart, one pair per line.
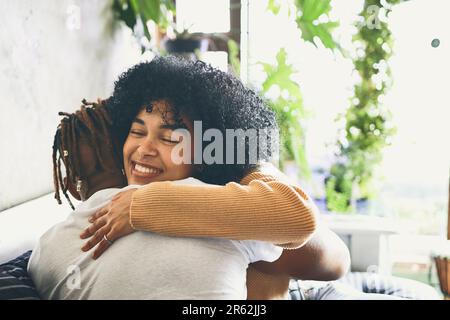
207, 16
416, 166
210, 16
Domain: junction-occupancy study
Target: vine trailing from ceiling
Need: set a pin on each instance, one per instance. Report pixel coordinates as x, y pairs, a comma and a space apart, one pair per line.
368, 125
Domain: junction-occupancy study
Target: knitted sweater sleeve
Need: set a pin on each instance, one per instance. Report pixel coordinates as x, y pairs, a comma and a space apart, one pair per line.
259, 208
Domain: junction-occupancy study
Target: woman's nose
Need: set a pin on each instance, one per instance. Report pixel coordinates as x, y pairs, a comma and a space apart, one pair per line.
147, 148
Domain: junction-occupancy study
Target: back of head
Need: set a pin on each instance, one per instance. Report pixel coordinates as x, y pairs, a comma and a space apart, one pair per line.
89, 152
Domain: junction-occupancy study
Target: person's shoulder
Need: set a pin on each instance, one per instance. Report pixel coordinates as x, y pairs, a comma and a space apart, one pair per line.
189, 181
267, 171
99, 198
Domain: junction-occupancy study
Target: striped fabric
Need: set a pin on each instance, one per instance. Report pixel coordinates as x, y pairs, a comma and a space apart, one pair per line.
390, 285
362, 286
15, 284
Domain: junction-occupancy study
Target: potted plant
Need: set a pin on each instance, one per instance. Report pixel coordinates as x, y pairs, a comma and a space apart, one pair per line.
185, 42
136, 14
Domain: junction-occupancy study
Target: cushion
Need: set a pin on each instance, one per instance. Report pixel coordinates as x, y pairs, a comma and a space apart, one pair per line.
15, 284
22, 225
364, 282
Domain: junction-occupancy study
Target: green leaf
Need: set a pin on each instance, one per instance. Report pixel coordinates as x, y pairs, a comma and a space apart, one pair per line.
280, 74
133, 4
324, 32
169, 4
311, 10
149, 10
233, 54
289, 110
128, 15
146, 32
273, 6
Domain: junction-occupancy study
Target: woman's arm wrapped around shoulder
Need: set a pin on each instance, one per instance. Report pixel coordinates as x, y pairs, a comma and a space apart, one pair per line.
324, 257
264, 206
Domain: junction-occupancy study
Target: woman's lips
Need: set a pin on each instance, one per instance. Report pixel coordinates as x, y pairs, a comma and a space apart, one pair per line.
151, 172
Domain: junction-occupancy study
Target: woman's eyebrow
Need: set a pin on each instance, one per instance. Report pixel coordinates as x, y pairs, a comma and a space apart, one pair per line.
173, 126
140, 121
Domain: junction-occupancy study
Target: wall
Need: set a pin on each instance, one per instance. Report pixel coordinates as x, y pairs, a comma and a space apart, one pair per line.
52, 55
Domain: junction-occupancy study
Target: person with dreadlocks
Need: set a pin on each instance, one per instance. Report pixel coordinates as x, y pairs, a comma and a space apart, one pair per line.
93, 162
227, 210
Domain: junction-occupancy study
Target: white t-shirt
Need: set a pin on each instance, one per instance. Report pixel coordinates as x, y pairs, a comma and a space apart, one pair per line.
142, 265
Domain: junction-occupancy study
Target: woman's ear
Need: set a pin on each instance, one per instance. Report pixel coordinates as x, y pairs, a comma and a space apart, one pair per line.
72, 189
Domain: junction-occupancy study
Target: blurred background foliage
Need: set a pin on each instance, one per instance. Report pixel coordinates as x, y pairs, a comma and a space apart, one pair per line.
368, 124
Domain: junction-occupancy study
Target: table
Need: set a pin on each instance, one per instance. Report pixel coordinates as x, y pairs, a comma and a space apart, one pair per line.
367, 238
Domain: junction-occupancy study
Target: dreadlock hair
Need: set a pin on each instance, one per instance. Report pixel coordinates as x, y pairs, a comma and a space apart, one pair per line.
90, 125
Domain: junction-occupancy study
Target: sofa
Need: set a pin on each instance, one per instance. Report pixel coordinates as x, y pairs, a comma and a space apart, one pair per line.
22, 225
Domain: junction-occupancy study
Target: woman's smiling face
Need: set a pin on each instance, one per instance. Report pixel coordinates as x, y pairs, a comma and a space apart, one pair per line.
147, 152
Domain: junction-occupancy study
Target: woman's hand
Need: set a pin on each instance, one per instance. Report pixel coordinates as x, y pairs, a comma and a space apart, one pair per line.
112, 221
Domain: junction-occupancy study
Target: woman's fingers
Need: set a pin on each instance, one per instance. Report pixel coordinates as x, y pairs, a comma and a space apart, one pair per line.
89, 231
112, 220
99, 213
103, 245
96, 238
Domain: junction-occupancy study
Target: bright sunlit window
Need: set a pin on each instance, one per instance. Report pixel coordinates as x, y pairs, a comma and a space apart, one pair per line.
218, 59
205, 16
416, 166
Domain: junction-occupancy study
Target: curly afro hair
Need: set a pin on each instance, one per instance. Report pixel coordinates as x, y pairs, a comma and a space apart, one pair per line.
201, 93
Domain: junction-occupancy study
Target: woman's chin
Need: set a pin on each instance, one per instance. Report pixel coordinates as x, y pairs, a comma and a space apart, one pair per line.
141, 179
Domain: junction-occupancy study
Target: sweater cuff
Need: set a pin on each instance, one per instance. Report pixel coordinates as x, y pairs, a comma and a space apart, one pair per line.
141, 217
256, 176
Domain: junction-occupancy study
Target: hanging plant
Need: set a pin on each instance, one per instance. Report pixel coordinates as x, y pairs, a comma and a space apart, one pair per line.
137, 13
368, 125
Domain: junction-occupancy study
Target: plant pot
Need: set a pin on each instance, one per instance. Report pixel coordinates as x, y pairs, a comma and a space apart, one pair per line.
443, 271
321, 204
360, 206
185, 45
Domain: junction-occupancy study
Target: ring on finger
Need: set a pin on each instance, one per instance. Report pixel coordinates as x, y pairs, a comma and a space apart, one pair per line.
107, 240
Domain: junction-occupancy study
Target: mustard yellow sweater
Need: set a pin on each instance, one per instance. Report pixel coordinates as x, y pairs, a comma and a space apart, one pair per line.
261, 207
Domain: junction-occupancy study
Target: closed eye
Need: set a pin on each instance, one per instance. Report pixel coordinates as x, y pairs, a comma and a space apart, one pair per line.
139, 133
169, 140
